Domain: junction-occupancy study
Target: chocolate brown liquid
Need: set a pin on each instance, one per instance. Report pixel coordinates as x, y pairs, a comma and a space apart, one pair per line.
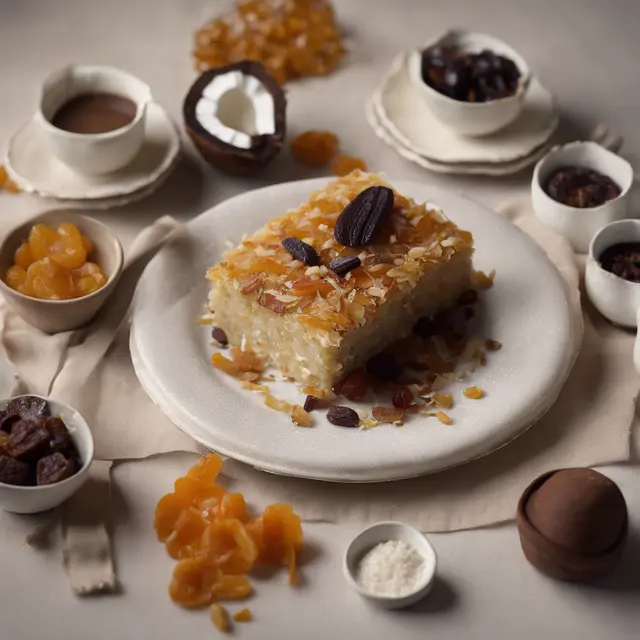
95, 113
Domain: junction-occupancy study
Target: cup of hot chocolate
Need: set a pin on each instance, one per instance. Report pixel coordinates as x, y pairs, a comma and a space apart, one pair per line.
94, 117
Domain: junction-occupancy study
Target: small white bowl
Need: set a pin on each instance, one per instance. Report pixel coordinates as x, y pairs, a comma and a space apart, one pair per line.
384, 532
55, 316
473, 119
580, 225
36, 499
615, 298
93, 153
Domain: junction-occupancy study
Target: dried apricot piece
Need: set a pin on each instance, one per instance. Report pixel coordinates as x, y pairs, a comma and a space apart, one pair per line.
168, 510
244, 615
220, 617
67, 248
227, 544
387, 414
184, 541
300, 416
15, 277
475, 393
49, 281
206, 470
23, 257
443, 417
444, 400
224, 364
344, 165
193, 582
315, 148
233, 506
87, 279
41, 237
232, 587
279, 536
196, 493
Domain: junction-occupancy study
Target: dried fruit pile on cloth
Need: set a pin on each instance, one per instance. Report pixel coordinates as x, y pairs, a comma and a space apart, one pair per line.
216, 541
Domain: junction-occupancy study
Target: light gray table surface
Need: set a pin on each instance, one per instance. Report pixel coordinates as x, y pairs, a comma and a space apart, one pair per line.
584, 51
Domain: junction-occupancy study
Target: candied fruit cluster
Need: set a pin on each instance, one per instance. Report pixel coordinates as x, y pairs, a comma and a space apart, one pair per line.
414, 238
291, 38
217, 542
6, 183
319, 148
53, 264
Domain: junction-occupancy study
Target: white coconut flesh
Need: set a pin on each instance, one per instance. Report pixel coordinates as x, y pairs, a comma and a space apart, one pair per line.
235, 107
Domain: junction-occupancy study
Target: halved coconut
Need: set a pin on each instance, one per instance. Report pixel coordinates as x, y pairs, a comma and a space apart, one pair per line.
236, 116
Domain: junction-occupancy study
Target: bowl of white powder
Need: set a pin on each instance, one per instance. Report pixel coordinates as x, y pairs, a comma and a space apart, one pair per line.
391, 564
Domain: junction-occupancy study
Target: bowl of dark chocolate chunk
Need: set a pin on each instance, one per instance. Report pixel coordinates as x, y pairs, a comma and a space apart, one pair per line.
580, 187
46, 449
612, 274
473, 83
94, 117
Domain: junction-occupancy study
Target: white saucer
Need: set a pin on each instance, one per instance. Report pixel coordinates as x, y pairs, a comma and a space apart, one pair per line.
527, 310
102, 204
34, 169
464, 168
401, 111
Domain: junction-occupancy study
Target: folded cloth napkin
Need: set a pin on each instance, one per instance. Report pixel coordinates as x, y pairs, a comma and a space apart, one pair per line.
589, 424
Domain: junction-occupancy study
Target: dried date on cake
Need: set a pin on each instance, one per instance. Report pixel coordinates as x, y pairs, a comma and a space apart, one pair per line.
342, 266
54, 468
28, 407
29, 440
301, 251
13, 471
362, 219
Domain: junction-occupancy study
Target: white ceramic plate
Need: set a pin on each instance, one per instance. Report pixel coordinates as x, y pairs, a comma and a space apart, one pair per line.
402, 111
35, 170
526, 310
464, 168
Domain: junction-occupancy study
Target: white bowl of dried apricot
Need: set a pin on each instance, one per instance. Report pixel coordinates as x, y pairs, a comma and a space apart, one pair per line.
59, 268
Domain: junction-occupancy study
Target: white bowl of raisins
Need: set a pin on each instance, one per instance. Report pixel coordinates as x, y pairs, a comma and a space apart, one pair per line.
46, 449
473, 83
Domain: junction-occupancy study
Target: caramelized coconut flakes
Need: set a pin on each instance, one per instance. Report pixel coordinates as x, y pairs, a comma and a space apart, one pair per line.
326, 302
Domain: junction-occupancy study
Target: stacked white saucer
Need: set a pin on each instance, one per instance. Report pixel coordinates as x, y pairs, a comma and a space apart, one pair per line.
33, 162
399, 115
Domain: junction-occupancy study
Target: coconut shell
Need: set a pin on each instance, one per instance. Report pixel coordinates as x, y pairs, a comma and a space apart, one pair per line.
225, 156
573, 524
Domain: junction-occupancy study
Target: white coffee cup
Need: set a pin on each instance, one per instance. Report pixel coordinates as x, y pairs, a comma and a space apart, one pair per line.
93, 153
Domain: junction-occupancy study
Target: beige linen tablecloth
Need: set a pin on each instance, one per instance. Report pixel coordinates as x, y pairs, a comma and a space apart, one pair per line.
589, 424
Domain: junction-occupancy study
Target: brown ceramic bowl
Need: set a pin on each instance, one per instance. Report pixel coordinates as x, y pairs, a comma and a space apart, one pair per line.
559, 561
55, 316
